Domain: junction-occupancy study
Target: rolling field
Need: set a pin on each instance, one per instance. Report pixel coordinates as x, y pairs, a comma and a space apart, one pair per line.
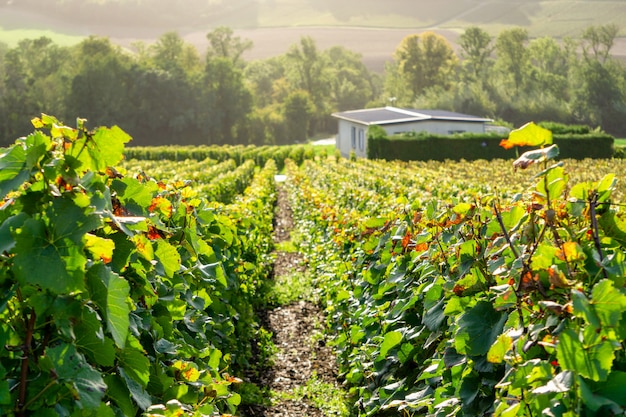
371, 28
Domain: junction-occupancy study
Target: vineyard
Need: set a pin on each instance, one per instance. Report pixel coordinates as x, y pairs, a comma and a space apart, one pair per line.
132, 277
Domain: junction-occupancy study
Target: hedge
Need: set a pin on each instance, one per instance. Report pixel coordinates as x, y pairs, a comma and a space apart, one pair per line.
474, 146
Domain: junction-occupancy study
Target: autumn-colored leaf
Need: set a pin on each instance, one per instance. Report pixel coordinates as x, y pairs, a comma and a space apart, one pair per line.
421, 247
162, 205
571, 252
406, 240
528, 135
506, 144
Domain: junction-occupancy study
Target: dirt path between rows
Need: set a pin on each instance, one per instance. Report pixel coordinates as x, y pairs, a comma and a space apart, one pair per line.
300, 355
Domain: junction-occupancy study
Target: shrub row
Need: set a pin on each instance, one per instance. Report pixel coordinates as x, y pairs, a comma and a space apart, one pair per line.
471, 146
239, 153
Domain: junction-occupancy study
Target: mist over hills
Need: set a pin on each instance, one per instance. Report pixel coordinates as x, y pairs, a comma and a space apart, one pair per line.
373, 28
548, 17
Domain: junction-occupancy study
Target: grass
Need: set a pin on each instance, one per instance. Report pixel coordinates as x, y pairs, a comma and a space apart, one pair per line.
284, 290
13, 37
620, 142
328, 398
324, 150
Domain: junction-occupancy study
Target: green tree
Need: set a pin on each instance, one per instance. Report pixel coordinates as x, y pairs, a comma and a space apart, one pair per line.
227, 102
172, 54
599, 82
35, 78
308, 70
298, 110
550, 65
224, 44
352, 86
512, 56
476, 48
424, 61
597, 41
163, 108
3, 105
100, 89
261, 77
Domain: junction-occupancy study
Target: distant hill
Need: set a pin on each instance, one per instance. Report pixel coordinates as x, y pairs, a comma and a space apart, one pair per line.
371, 27
549, 17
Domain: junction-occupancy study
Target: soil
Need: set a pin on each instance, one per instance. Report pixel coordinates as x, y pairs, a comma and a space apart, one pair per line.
293, 326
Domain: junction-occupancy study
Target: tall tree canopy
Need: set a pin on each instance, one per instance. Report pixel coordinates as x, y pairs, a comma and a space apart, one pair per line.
169, 92
425, 61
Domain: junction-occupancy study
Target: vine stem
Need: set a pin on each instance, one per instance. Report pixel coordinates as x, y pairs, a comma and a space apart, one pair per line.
39, 394
593, 202
519, 285
24, 371
504, 231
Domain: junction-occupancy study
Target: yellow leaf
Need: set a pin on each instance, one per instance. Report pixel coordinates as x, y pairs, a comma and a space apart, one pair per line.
530, 135
144, 247
100, 248
498, 350
571, 252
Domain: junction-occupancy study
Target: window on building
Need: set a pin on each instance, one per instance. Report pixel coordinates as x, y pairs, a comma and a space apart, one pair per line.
353, 137
361, 139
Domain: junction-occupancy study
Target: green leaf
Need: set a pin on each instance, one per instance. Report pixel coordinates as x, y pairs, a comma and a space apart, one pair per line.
469, 388
553, 184
596, 402
168, 256
609, 303
613, 226
103, 149
590, 357
234, 399
135, 363
13, 170
90, 339
5, 393
434, 317
7, 242
118, 310
53, 265
69, 221
71, 368
120, 395
110, 292
479, 328
139, 394
560, 383
390, 340
214, 271
544, 256
582, 308
605, 187
135, 196
462, 208
614, 388
375, 222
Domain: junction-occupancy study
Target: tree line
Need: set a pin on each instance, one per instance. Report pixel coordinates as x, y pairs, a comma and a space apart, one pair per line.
169, 92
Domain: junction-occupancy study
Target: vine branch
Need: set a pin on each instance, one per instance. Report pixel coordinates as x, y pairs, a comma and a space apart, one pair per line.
21, 401
593, 203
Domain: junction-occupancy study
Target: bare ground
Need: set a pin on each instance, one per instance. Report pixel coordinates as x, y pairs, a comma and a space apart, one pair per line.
293, 325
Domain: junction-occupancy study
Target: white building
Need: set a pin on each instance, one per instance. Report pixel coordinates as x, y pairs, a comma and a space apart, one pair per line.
353, 124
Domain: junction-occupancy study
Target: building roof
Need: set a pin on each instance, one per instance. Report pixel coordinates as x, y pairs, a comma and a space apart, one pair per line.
392, 115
